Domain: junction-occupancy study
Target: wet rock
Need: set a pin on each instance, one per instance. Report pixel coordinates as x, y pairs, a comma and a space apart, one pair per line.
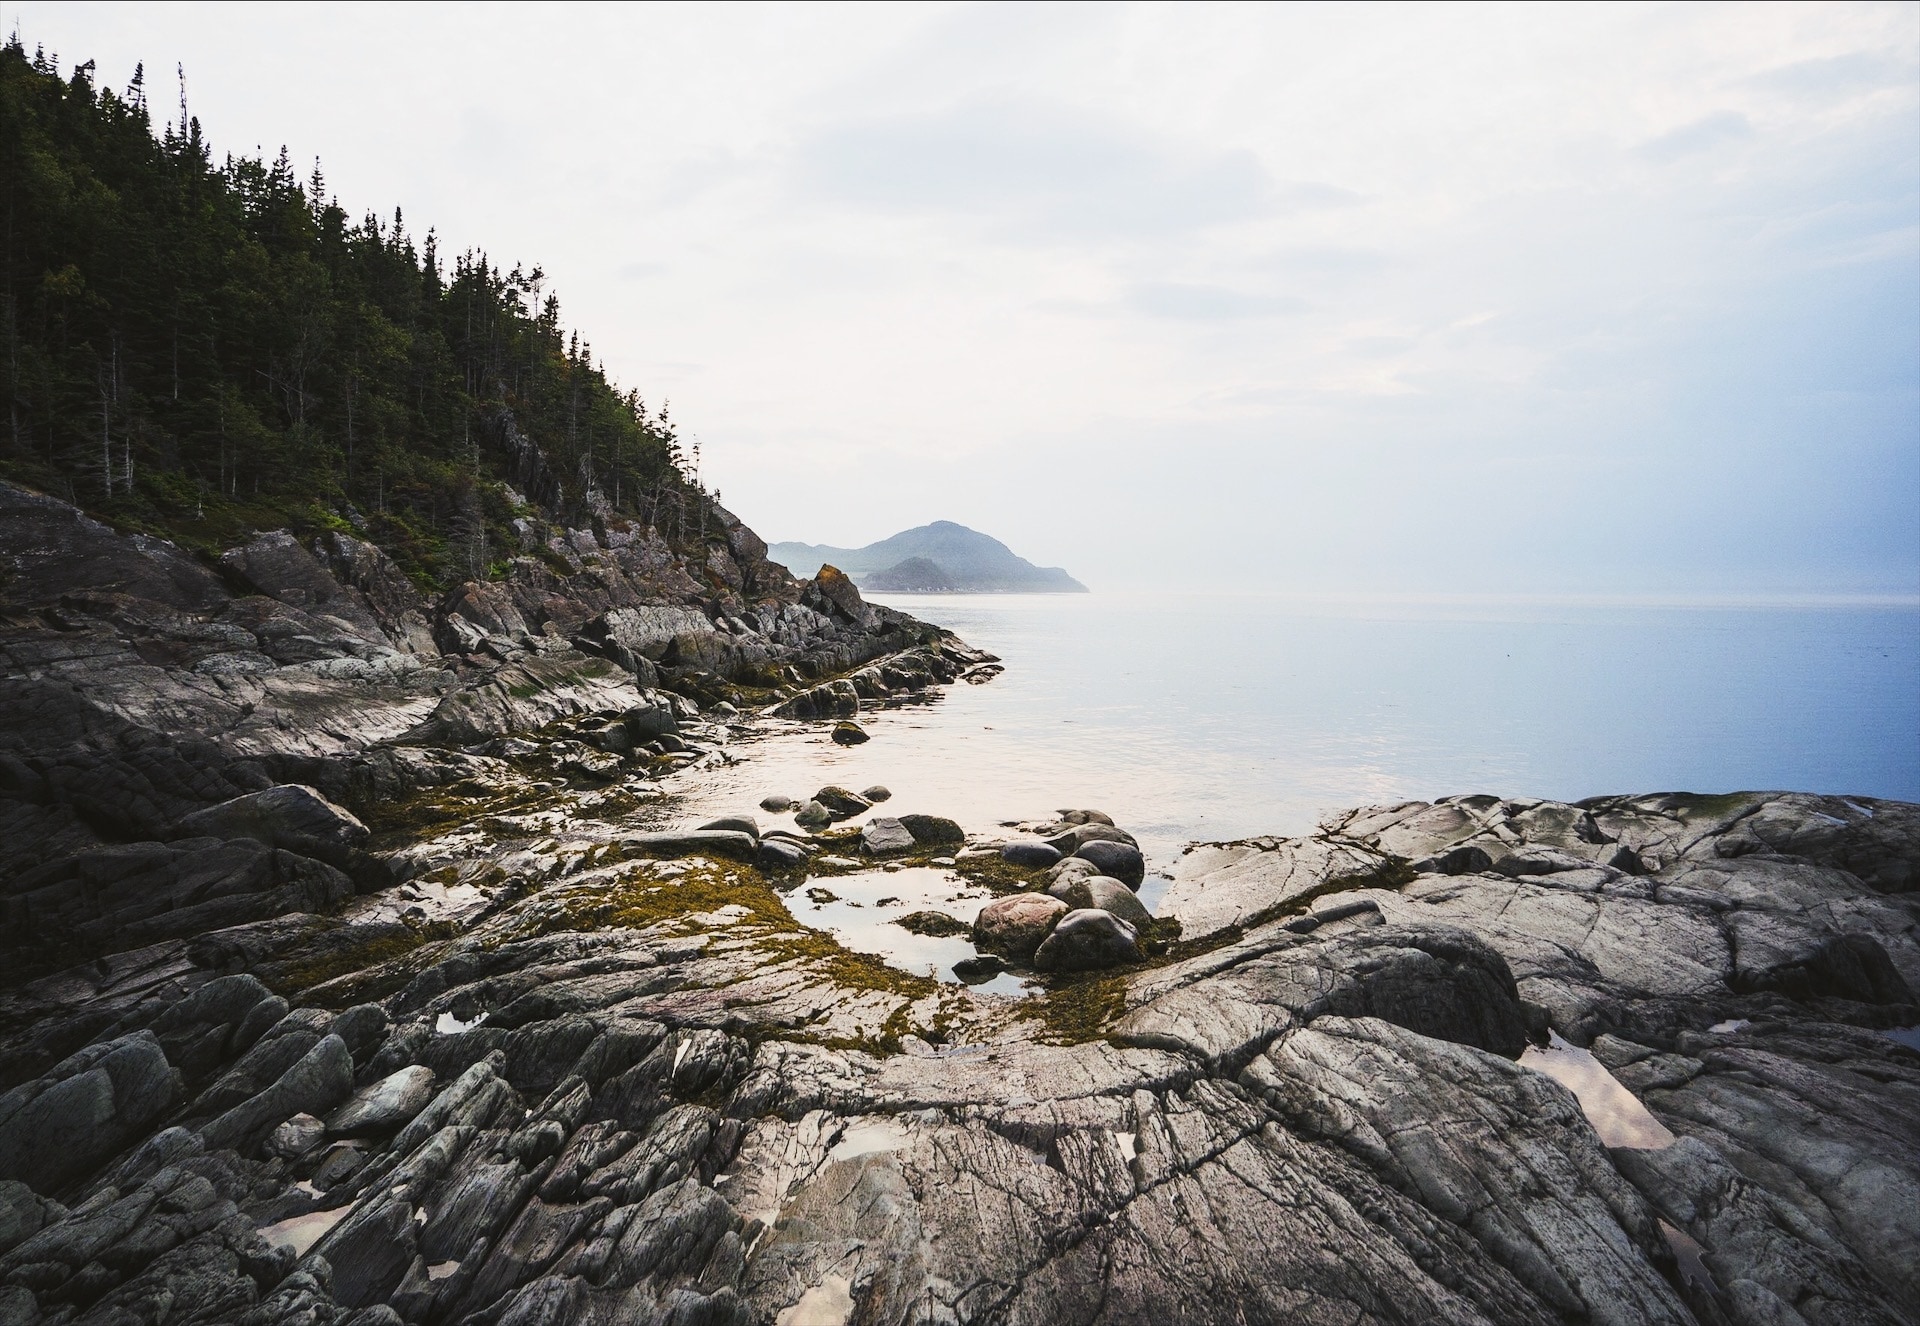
840, 803
733, 824
385, 1105
317, 1082
885, 837
1033, 855
813, 815
849, 733
1014, 926
876, 794
981, 967
1088, 940
1121, 861
1073, 837
292, 817
1103, 893
777, 805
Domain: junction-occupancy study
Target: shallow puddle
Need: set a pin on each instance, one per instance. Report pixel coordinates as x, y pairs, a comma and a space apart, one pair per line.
302, 1232
1615, 1113
861, 910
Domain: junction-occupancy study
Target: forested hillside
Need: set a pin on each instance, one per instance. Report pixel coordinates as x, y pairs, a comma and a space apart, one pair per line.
201, 346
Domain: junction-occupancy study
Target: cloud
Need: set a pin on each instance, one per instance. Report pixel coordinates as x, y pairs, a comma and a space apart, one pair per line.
1716, 130
1857, 71
1042, 171
1208, 303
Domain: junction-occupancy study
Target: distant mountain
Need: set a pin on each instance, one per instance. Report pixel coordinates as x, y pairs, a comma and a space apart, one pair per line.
941, 557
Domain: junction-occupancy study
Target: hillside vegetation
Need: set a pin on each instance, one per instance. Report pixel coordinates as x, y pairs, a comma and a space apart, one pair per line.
202, 347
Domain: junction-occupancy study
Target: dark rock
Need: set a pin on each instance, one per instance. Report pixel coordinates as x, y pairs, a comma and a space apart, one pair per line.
779, 854
1070, 839
1033, 855
840, 803
813, 815
90, 1105
1121, 861
1015, 925
1088, 940
981, 967
776, 805
295, 818
876, 794
385, 1105
849, 733
933, 830
733, 824
317, 1082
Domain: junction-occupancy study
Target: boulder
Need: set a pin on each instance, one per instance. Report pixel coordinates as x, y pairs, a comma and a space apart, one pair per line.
980, 967
733, 824
840, 803
320, 1080
780, 854
294, 818
1085, 817
1104, 893
1033, 855
813, 815
776, 805
385, 1105
1015, 925
885, 837
849, 733
1069, 840
1088, 940
297, 1136
90, 1105
1122, 861
876, 794
933, 830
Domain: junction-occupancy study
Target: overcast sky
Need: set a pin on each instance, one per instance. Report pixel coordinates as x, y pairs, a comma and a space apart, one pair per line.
1615, 298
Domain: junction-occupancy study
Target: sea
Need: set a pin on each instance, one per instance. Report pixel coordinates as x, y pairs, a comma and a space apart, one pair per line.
1210, 717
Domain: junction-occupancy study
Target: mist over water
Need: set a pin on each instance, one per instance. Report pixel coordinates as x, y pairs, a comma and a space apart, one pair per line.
1189, 718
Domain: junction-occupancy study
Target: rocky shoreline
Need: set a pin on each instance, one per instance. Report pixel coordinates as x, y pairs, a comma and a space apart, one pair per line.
360, 970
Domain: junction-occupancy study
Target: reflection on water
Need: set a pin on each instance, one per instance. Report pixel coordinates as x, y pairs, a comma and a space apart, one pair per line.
1615, 1113
861, 911
1193, 718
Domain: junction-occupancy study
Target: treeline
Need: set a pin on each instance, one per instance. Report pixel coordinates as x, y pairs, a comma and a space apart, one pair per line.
201, 350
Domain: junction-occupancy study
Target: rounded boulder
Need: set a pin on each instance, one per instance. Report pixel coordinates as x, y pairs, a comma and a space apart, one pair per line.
1119, 860
1014, 926
1034, 855
1088, 940
1104, 893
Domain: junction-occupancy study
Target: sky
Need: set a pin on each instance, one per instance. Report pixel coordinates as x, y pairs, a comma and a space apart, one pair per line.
1608, 299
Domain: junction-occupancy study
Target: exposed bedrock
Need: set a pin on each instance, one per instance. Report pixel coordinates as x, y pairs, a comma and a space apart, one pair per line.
601, 1105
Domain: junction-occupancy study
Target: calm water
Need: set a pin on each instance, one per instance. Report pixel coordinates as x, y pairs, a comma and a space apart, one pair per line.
1202, 718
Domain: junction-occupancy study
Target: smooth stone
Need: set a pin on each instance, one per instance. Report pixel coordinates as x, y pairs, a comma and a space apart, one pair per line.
1014, 926
813, 815
840, 803
385, 1105
885, 837
1104, 893
297, 1136
1071, 839
1120, 860
1085, 817
779, 854
981, 967
732, 824
877, 793
1034, 855
849, 733
776, 805
1088, 940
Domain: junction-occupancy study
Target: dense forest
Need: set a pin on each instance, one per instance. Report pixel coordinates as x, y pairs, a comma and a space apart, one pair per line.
202, 350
